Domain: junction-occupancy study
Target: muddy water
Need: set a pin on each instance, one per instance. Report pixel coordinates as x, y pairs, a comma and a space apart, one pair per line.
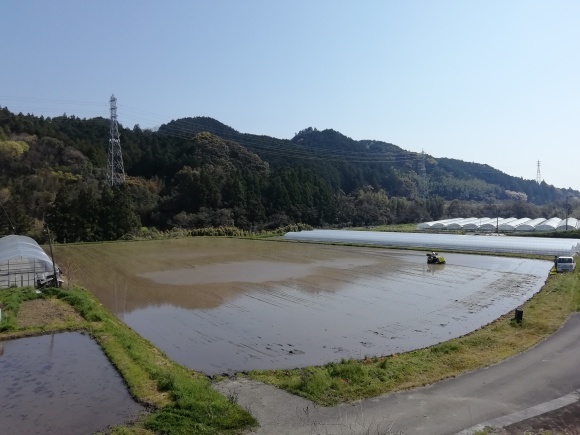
226, 305
59, 384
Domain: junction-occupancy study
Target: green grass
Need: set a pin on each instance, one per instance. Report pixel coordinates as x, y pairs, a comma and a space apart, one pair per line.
11, 300
405, 228
349, 380
182, 401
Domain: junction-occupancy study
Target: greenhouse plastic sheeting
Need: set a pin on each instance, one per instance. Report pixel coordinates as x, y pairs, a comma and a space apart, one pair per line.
476, 225
21, 259
452, 242
460, 224
568, 224
531, 226
549, 225
505, 224
21, 246
511, 226
439, 224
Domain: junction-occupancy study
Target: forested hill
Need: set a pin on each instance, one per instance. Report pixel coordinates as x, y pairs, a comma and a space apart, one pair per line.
347, 164
198, 172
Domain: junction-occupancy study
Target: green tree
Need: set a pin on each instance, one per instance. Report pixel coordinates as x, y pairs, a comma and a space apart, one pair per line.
117, 216
13, 218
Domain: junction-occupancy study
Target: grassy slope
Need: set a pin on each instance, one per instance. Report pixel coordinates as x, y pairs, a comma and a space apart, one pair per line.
182, 401
350, 380
185, 402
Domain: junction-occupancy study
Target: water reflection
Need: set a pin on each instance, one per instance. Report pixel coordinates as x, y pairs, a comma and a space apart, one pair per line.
433, 268
60, 384
219, 305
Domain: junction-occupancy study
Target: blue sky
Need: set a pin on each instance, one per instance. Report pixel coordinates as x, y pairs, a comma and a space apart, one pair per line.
495, 82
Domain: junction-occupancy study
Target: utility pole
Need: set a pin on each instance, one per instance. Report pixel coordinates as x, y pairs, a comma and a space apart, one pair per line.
115, 168
55, 278
566, 212
423, 174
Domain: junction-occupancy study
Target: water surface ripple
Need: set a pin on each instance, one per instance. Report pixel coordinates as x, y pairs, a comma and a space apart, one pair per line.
60, 384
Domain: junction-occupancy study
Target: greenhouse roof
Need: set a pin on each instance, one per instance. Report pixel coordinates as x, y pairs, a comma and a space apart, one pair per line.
512, 225
569, 224
549, 225
505, 224
532, 225
21, 246
451, 242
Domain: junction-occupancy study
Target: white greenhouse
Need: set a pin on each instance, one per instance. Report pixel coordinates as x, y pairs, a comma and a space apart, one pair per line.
495, 223
476, 225
568, 224
513, 225
489, 224
461, 224
451, 242
549, 225
22, 262
437, 224
532, 225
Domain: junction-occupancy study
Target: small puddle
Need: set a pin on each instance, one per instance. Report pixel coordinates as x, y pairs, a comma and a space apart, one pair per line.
60, 384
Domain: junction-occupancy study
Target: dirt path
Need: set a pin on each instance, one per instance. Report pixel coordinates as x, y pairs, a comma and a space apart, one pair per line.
542, 374
41, 312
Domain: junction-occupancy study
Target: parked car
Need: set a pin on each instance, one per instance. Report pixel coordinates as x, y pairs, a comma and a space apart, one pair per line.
565, 264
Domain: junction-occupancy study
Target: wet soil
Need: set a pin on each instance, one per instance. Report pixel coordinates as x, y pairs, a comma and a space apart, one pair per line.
225, 305
41, 312
60, 384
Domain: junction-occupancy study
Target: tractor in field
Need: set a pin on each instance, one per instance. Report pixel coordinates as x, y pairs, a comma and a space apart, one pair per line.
435, 258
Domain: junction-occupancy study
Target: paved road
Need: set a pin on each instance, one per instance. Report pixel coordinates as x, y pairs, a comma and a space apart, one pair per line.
545, 373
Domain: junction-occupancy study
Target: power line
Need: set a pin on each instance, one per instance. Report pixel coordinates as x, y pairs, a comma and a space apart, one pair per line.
275, 147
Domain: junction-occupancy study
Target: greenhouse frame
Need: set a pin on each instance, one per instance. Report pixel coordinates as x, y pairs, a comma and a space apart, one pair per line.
22, 262
448, 242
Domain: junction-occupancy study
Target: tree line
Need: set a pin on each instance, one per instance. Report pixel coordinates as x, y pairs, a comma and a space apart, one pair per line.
53, 172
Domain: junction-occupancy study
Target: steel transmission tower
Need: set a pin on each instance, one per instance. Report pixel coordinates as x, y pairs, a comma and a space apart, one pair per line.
538, 176
116, 170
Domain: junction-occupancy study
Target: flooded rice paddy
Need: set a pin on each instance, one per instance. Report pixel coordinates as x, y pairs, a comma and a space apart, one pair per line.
60, 384
225, 305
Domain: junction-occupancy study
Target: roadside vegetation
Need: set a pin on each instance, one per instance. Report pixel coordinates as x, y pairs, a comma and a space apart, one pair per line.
181, 401
400, 228
152, 233
349, 380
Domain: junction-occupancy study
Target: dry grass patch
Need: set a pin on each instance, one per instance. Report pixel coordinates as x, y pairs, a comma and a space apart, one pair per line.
44, 312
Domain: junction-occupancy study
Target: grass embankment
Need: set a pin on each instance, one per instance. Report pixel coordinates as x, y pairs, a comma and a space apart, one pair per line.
398, 228
181, 401
351, 380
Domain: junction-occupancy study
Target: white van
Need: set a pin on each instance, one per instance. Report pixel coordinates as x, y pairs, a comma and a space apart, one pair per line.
565, 264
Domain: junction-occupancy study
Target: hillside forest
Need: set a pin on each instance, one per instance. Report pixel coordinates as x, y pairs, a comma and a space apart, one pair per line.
198, 173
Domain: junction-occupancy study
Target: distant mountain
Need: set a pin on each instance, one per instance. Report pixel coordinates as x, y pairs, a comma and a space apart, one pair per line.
199, 172
347, 164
